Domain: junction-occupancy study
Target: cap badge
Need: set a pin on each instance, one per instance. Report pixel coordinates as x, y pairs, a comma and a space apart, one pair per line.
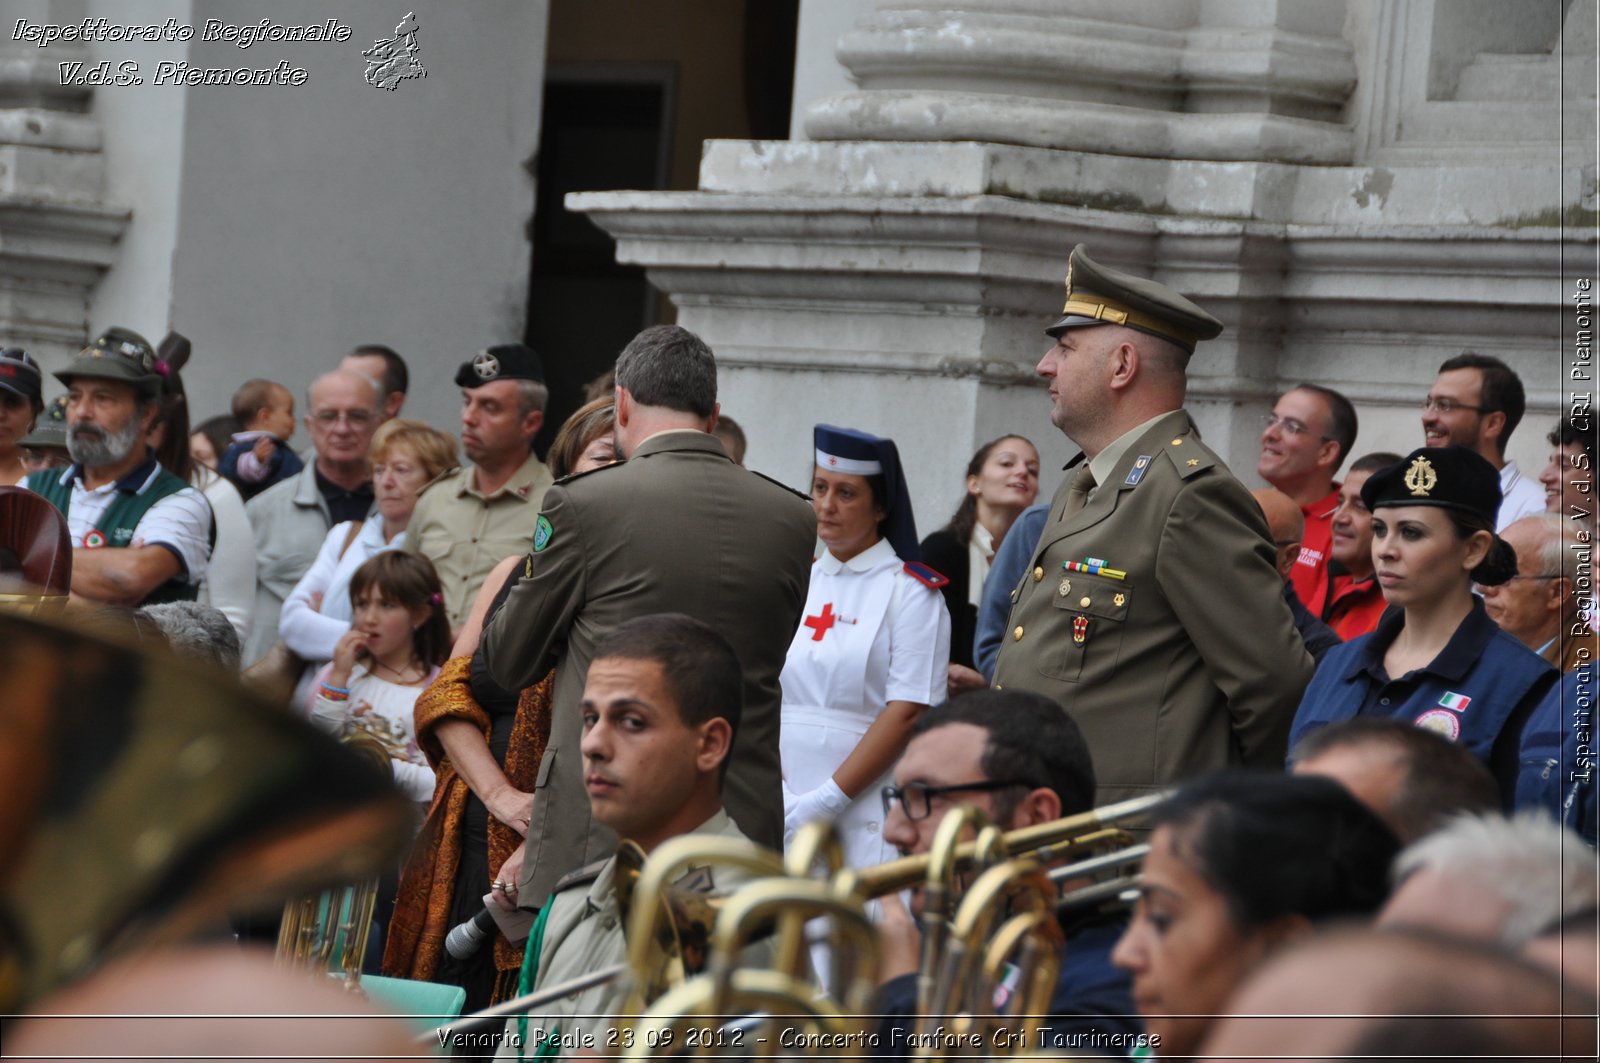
486, 365
1421, 478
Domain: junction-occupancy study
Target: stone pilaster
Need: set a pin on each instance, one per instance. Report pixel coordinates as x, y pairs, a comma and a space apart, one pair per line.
57, 237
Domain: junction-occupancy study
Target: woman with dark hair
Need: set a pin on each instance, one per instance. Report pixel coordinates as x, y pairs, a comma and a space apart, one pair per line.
230, 583
485, 744
1241, 865
872, 651
1437, 661
210, 438
21, 401
1002, 481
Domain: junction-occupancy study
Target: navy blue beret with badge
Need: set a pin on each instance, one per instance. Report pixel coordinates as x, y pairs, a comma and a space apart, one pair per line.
847, 450
508, 361
1450, 477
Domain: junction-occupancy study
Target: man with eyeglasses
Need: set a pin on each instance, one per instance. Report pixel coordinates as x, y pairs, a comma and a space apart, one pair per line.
1537, 604
291, 518
1304, 440
1015, 756
1477, 402
140, 535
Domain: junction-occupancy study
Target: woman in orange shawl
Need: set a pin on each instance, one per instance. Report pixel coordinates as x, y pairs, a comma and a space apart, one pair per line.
484, 744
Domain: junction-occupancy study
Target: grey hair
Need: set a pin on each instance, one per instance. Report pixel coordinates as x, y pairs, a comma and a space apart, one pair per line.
1543, 870
531, 396
670, 367
367, 378
198, 632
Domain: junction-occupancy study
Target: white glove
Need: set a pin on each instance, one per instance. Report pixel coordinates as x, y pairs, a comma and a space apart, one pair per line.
825, 802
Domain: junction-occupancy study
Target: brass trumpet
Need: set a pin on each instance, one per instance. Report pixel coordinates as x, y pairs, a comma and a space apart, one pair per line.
1043, 842
727, 990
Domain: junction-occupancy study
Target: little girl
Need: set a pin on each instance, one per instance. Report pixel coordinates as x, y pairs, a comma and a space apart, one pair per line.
398, 637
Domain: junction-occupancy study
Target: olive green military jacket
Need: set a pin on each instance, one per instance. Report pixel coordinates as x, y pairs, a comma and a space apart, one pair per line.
1180, 656
585, 932
676, 528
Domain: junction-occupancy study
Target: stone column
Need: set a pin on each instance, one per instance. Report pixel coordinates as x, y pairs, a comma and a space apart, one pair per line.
894, 271
57, 235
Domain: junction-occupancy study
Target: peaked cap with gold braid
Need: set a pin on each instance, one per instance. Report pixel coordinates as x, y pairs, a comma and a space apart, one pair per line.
1099, 295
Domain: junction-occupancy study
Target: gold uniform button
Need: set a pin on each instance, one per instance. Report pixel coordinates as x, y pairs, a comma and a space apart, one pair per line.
1177, 442
1084, 601
1038, 574
1016, 636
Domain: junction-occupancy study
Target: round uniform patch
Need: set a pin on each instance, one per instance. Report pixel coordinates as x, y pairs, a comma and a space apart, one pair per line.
1440, 721
95, 538
541, 533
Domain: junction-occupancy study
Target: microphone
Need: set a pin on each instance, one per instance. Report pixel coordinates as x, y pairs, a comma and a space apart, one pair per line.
468, 938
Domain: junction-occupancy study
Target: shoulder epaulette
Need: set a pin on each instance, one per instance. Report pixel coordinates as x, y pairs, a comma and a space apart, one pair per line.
798, 494
1189, 456
571, 476
926, 575
581, 877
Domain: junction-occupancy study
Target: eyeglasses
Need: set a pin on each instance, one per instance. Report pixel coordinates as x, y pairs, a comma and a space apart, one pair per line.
1433, 405
1292, 426
916, 799
354, 418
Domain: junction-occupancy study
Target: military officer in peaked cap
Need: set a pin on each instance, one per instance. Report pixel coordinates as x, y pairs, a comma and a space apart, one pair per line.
469, 520
1151, 611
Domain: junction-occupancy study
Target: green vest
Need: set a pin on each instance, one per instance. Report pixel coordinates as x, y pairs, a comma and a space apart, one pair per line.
116, 525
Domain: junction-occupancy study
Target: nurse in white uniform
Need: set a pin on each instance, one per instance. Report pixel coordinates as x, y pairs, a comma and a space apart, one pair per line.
870, 654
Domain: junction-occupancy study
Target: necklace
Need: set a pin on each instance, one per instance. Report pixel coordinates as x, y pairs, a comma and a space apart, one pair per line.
400, 675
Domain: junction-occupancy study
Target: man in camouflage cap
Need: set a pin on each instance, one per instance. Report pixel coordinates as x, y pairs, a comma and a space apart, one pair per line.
139, 533
1129, 614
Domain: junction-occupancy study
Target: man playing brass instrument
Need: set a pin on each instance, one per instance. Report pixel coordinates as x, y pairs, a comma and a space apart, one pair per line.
1019, 759
660, 708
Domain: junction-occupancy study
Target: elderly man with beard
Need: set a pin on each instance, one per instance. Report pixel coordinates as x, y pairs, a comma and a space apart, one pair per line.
140, 535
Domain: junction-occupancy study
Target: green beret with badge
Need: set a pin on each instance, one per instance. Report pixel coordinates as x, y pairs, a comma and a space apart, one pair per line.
1100, 295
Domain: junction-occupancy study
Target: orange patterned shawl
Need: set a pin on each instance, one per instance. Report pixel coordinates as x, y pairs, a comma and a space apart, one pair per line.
422, 908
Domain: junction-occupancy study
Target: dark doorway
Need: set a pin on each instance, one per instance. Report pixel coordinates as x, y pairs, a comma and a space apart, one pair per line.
583, 306
633, 88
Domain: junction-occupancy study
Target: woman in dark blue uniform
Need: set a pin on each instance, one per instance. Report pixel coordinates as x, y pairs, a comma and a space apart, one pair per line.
1439, 661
